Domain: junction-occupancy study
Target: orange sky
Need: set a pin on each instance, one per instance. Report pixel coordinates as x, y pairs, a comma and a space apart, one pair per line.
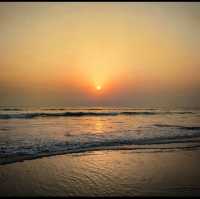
141, 54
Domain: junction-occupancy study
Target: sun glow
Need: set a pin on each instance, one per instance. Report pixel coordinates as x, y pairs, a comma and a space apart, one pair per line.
98, 87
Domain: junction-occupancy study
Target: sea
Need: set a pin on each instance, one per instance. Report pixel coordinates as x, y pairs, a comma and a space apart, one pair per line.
30, 133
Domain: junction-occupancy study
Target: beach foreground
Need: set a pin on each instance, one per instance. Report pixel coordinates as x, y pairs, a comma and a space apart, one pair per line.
105, 173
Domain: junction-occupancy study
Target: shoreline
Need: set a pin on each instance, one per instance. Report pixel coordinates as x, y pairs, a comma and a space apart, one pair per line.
22, 158
105, 173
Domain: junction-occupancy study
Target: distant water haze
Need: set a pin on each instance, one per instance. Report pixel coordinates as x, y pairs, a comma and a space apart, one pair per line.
100, 54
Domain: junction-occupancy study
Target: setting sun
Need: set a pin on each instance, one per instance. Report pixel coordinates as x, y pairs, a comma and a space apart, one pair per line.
116, 83
98, 88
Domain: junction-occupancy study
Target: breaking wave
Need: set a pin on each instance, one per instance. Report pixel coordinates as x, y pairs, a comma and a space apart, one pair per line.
21, 140
80, 114
188, 138
178, 127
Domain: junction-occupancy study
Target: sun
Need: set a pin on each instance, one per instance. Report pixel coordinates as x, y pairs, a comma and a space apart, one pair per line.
98, 87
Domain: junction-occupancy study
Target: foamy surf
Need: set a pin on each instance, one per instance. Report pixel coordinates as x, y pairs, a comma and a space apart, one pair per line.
33, 133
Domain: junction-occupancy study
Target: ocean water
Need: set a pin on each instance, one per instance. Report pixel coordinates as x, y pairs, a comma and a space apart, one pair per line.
29, 133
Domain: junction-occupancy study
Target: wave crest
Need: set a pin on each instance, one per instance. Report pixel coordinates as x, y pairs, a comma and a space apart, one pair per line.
80, 114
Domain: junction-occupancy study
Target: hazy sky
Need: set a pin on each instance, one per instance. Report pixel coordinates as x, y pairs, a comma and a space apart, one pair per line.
141, 54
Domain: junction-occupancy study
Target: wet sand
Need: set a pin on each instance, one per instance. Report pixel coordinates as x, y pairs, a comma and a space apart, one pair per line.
105, 173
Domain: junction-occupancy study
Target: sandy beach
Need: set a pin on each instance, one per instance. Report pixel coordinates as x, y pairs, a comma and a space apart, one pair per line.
105, 173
